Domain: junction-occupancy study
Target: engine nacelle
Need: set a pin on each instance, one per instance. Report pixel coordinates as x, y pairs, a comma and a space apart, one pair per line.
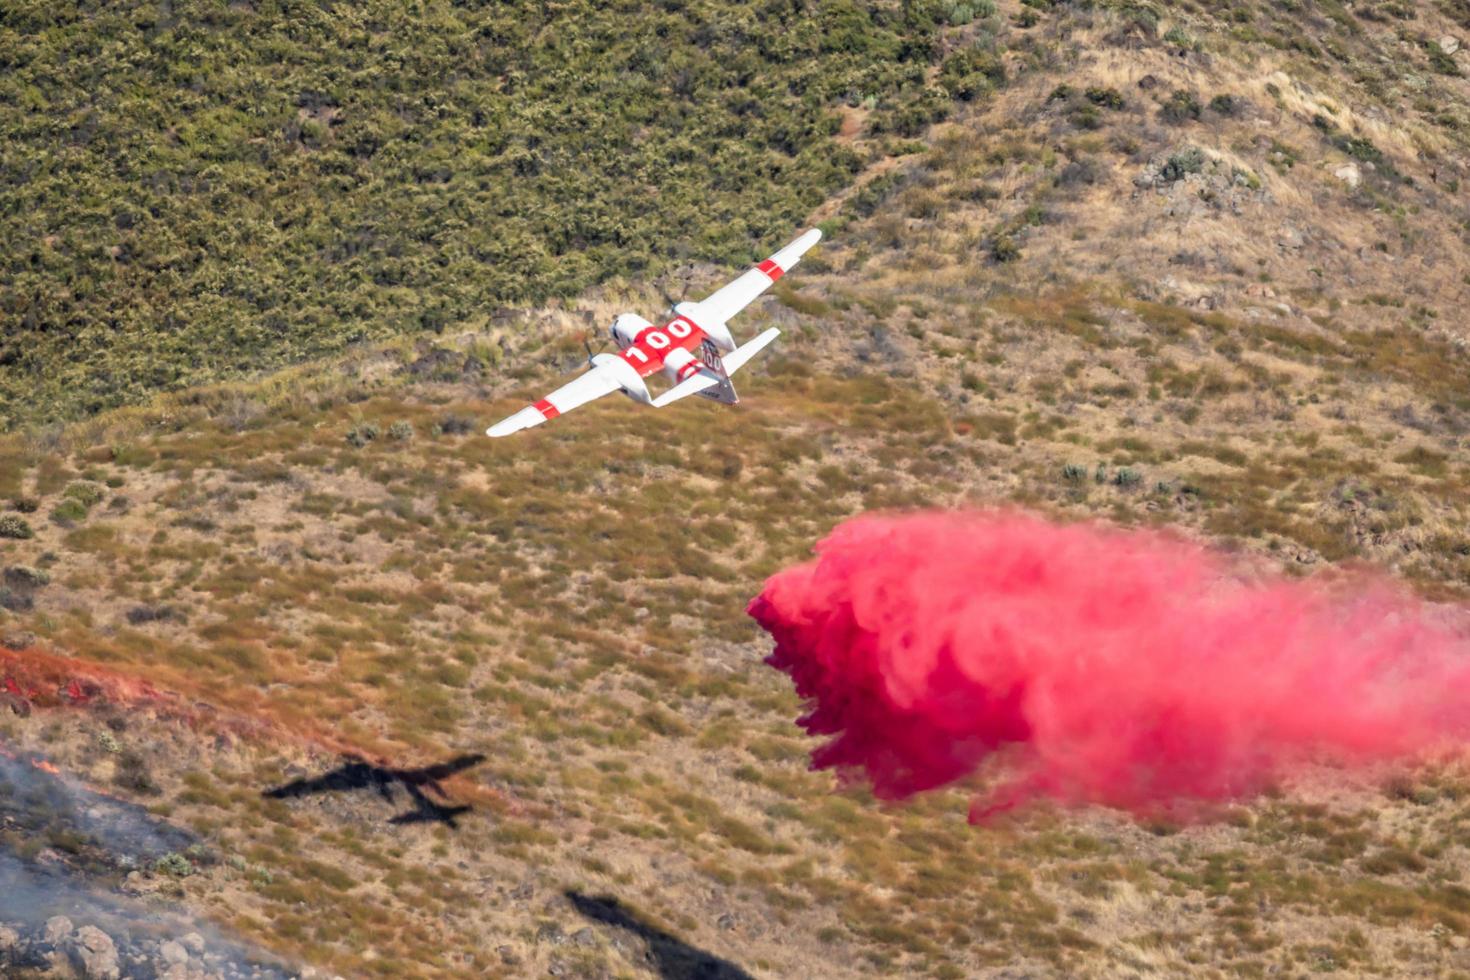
627, 327
713, 329
633, 386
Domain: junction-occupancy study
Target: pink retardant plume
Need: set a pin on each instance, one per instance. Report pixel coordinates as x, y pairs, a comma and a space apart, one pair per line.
1097, 665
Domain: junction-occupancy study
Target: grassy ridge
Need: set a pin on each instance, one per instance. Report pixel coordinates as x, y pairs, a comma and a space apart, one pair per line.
195, 188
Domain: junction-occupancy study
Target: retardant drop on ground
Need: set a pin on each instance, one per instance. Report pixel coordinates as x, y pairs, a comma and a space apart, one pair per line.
1098, 665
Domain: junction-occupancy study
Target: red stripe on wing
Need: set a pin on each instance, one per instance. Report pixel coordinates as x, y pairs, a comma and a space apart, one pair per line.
547, 409
772, 270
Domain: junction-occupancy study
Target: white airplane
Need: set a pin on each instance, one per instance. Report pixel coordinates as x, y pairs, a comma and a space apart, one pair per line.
694, 350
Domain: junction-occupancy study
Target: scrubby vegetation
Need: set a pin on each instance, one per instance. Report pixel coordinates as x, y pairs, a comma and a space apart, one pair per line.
195, 189
1054, 297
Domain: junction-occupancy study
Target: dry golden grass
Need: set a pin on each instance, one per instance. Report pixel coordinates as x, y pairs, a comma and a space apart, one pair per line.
569, 603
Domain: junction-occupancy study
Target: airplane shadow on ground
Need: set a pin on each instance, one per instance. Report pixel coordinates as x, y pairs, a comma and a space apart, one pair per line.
357, 773
673, 958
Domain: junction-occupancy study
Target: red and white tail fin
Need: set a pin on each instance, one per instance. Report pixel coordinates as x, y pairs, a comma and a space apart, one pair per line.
713, 381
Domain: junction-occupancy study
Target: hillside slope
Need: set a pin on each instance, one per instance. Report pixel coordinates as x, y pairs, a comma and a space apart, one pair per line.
196, 190
1130, 276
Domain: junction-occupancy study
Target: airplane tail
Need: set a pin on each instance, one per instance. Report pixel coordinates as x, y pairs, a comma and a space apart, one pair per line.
722, 390
713, 379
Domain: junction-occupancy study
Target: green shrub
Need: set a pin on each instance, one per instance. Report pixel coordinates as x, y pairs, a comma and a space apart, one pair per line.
1190, 160
69, 512
971, 72
912, 115
83, 492
1180, 38
26, 577
14, 526
1180, 107
400, 431
174, 864
455, 425
1085, 117
1226, 105
960, 14
1441, 61
362, 434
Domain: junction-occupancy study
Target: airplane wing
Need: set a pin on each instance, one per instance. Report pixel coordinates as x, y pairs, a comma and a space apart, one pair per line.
718, 307
603, 379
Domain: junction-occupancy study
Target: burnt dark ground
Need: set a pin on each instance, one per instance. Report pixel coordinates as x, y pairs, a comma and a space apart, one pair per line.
68, 856
90, 831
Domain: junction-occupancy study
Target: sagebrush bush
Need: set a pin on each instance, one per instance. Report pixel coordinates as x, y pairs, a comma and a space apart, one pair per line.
1180, 107
83, 492
14, 526
70, 511
362, 434
1190, 160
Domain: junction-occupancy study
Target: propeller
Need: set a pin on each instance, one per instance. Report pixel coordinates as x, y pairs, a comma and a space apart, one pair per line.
587, 317
663, 291
587, 345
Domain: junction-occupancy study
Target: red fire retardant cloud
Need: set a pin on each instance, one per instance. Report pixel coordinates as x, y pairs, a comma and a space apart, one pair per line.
1098, 665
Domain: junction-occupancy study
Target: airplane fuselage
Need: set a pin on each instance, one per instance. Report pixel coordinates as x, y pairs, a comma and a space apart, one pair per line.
669, 348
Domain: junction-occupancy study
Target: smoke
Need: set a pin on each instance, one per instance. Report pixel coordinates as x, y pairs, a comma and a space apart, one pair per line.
52, 804
1086, 664
47, 911
58, 903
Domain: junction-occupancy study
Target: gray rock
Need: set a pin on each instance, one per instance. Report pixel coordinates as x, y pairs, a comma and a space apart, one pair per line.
1449, 44
173, 953
9, 938
1349, 174
58, 927
585, 938
194, 943
97, 953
